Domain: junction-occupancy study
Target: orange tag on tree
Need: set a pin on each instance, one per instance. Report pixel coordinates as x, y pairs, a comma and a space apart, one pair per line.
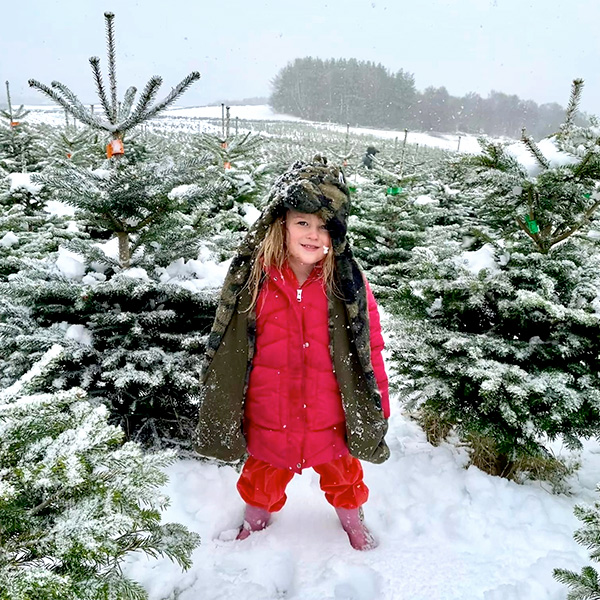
68, 155
14, 123
228, 165
115, 147
223, 144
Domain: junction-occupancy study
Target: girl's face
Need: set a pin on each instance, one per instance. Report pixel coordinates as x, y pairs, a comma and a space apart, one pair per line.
307, 239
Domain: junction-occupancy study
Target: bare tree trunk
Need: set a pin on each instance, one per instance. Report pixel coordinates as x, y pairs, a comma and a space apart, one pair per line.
124, 257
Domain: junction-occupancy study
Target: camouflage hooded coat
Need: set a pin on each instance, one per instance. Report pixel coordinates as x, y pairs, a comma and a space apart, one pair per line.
315, 189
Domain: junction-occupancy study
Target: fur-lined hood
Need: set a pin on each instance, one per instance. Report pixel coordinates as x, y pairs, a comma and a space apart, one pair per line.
313, 188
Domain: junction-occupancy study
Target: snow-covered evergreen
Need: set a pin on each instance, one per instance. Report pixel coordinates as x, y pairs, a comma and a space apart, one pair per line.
20, 147
74, 499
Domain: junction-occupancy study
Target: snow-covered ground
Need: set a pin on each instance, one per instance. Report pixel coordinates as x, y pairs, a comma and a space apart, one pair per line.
196, 119
261, 112
445, 533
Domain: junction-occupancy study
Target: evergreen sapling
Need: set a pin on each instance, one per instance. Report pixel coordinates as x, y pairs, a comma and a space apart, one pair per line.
120, 211
585, 585
75, 500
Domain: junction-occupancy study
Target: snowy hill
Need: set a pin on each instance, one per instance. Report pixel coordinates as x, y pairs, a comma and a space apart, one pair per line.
199, 119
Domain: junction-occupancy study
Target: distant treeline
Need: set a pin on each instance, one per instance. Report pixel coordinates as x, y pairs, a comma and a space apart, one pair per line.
368, 94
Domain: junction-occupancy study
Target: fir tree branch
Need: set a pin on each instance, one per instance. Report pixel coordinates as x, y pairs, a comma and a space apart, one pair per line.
10, 113
118, 224
139, 113
174, 94
577, 172
545, 233
147, 220
533, 148
559, 230
83, 117
573, 105
239, 145
584, 586
40, 507
95, 63
534, 236
588, 213
127, 103
76, 104
8, 101
580, 169
112, 70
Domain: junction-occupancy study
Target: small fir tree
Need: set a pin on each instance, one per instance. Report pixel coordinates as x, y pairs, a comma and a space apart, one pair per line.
548, 203
508, 353
79, 146
21, 150
136, 345
120, 207
385, 227
135, 202
130, 341
585, 585
499, 335
237, 166
75, 500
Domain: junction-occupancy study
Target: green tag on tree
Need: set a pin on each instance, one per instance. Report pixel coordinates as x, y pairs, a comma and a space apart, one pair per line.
394, 191
532, 225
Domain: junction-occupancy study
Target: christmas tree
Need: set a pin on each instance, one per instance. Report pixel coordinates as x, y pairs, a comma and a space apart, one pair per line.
551, 199
498, 328
130, 340
81, 146
20, 147
122, 212
135, 344
240, 174
75, 500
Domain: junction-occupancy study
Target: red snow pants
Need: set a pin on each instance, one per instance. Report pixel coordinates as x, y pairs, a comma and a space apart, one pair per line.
263, 485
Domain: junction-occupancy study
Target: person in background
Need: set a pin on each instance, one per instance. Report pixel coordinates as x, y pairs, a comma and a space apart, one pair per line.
367, 160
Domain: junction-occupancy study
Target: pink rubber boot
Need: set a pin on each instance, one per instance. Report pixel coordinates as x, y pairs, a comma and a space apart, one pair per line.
255, 519
358, 534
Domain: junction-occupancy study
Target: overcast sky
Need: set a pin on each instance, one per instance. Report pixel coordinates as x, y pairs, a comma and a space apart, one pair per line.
530, 48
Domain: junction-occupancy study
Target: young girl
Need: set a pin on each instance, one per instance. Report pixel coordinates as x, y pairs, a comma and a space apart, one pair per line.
294, 375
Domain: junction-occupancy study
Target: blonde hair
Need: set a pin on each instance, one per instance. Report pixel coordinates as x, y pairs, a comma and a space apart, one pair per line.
272, 252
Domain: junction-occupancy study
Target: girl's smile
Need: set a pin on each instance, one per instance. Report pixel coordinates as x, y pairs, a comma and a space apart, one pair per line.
309, 247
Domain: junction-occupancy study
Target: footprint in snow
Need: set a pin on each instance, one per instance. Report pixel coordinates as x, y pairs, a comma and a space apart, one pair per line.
355, 582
